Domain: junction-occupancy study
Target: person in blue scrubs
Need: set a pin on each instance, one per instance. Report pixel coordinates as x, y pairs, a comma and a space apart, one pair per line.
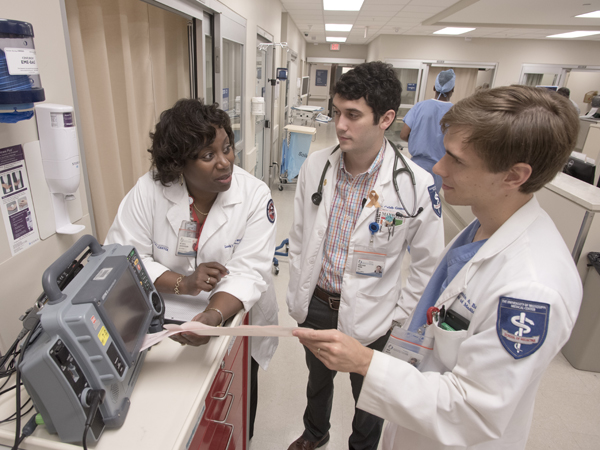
422, 125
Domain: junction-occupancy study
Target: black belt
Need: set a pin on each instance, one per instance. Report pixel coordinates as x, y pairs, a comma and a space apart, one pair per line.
329, 298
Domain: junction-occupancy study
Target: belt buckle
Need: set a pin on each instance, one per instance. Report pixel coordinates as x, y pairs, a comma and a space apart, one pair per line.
331, 305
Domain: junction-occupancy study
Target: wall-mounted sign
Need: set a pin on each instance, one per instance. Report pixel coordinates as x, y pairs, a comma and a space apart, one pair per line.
411, 86
321, 77
334, 46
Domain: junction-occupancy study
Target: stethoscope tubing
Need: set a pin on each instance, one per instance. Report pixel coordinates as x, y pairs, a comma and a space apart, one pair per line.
317, 197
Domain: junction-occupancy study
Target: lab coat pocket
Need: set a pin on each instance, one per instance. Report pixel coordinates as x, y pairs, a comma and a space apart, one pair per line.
373, 313
446, 345
390, 238
267, 309
294, 274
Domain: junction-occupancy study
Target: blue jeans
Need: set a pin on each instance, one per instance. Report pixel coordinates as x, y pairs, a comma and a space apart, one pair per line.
366, 428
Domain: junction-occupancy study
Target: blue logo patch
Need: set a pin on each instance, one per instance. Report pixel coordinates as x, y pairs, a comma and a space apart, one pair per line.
435, 200
271, 211
522, 325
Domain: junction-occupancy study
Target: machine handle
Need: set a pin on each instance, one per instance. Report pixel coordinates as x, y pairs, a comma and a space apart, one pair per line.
228, 410
228, 386
51, 289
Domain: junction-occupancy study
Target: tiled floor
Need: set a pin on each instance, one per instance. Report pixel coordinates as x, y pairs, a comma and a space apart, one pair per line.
567, 414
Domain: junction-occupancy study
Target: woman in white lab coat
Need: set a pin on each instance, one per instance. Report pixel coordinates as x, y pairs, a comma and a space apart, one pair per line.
204, 228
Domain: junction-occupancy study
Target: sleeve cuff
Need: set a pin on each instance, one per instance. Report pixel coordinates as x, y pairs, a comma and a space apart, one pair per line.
373, 388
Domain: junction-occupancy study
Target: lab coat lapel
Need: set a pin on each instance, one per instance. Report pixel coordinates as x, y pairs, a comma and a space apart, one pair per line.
331, 179
510, 231
383, 179
178, 209
221, 212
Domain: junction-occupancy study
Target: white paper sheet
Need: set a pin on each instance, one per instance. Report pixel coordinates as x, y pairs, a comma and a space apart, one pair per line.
205, 330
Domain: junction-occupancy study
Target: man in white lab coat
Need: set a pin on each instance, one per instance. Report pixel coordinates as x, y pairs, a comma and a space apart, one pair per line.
504, 297
358, 206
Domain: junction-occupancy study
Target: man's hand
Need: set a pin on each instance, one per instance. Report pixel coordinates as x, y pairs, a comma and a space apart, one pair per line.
336, 350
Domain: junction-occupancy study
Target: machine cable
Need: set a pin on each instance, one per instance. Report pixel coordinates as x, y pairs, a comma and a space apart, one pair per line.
94, 398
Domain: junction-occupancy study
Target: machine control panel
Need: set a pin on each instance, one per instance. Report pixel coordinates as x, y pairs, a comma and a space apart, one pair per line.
76, 379
140, 271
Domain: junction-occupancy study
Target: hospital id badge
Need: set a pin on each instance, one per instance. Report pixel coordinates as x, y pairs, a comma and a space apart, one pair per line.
408, 346
189, 231
369, 262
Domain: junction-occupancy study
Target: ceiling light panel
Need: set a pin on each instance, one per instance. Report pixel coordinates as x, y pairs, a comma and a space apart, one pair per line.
590, 15
338, 27
453, 30
335, 39
342, 5
574, 34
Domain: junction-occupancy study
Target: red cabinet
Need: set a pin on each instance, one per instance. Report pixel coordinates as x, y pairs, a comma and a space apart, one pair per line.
223, 425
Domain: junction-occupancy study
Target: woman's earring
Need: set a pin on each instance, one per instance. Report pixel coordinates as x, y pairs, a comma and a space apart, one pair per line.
181, 179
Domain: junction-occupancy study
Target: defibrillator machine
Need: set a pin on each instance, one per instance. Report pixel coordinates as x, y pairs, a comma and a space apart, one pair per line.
88, 351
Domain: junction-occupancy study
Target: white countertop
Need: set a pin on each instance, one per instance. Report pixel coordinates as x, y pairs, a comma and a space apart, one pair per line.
166, 403
300, 129
585, 195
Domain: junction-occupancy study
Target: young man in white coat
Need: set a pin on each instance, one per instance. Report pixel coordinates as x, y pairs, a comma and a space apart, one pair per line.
358, 206
504, 297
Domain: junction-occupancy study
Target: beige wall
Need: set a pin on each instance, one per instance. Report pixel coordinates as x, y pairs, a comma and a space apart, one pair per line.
510, 54
20, 276
292, 35
346, 51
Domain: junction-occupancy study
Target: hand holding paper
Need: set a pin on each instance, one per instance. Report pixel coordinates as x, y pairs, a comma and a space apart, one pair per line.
205, 330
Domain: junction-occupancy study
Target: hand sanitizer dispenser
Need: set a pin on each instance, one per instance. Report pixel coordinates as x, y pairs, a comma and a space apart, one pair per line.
60, 159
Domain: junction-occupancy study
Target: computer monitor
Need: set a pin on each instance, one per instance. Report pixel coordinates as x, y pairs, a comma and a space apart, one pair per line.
305, 83
550, 88
581, 170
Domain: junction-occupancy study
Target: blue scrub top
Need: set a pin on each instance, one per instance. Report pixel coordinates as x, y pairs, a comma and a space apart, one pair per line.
459, 254
426, 141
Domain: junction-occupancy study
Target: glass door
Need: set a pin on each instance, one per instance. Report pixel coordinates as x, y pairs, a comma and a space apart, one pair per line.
230, 40
205, 73
260, 90
542, 75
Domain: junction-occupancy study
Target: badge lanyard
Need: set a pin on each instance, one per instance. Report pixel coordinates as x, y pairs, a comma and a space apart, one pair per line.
189, 235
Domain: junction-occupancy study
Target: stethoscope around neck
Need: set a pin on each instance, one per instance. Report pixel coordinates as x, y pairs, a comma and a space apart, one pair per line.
317, 197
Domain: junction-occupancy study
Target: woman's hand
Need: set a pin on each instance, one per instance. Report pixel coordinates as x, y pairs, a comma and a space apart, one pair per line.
211, 318
205, 278
336, 350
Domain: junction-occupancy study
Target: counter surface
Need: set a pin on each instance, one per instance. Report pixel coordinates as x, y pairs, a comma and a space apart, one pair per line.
579, 192
166, 404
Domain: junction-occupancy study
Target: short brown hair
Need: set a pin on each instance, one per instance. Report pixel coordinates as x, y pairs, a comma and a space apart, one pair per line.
518, 124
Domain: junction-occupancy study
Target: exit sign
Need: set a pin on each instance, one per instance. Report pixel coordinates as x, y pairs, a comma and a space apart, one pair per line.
334, 46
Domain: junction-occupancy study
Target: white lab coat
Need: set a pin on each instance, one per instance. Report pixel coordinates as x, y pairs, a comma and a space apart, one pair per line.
237, 233
472, 394
368, 304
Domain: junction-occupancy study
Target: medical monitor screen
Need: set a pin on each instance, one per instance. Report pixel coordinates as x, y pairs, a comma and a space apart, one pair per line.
305, 82
128, 310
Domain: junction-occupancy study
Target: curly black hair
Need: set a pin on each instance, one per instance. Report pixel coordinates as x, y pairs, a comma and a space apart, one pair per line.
377, 82
181, 133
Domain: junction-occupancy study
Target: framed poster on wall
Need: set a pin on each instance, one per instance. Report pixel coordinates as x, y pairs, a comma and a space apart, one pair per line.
321, 77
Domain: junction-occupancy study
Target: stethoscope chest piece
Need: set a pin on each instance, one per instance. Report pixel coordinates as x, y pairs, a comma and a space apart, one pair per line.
316, 198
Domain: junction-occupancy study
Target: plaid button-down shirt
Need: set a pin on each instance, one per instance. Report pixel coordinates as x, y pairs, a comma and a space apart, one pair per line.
345, 210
